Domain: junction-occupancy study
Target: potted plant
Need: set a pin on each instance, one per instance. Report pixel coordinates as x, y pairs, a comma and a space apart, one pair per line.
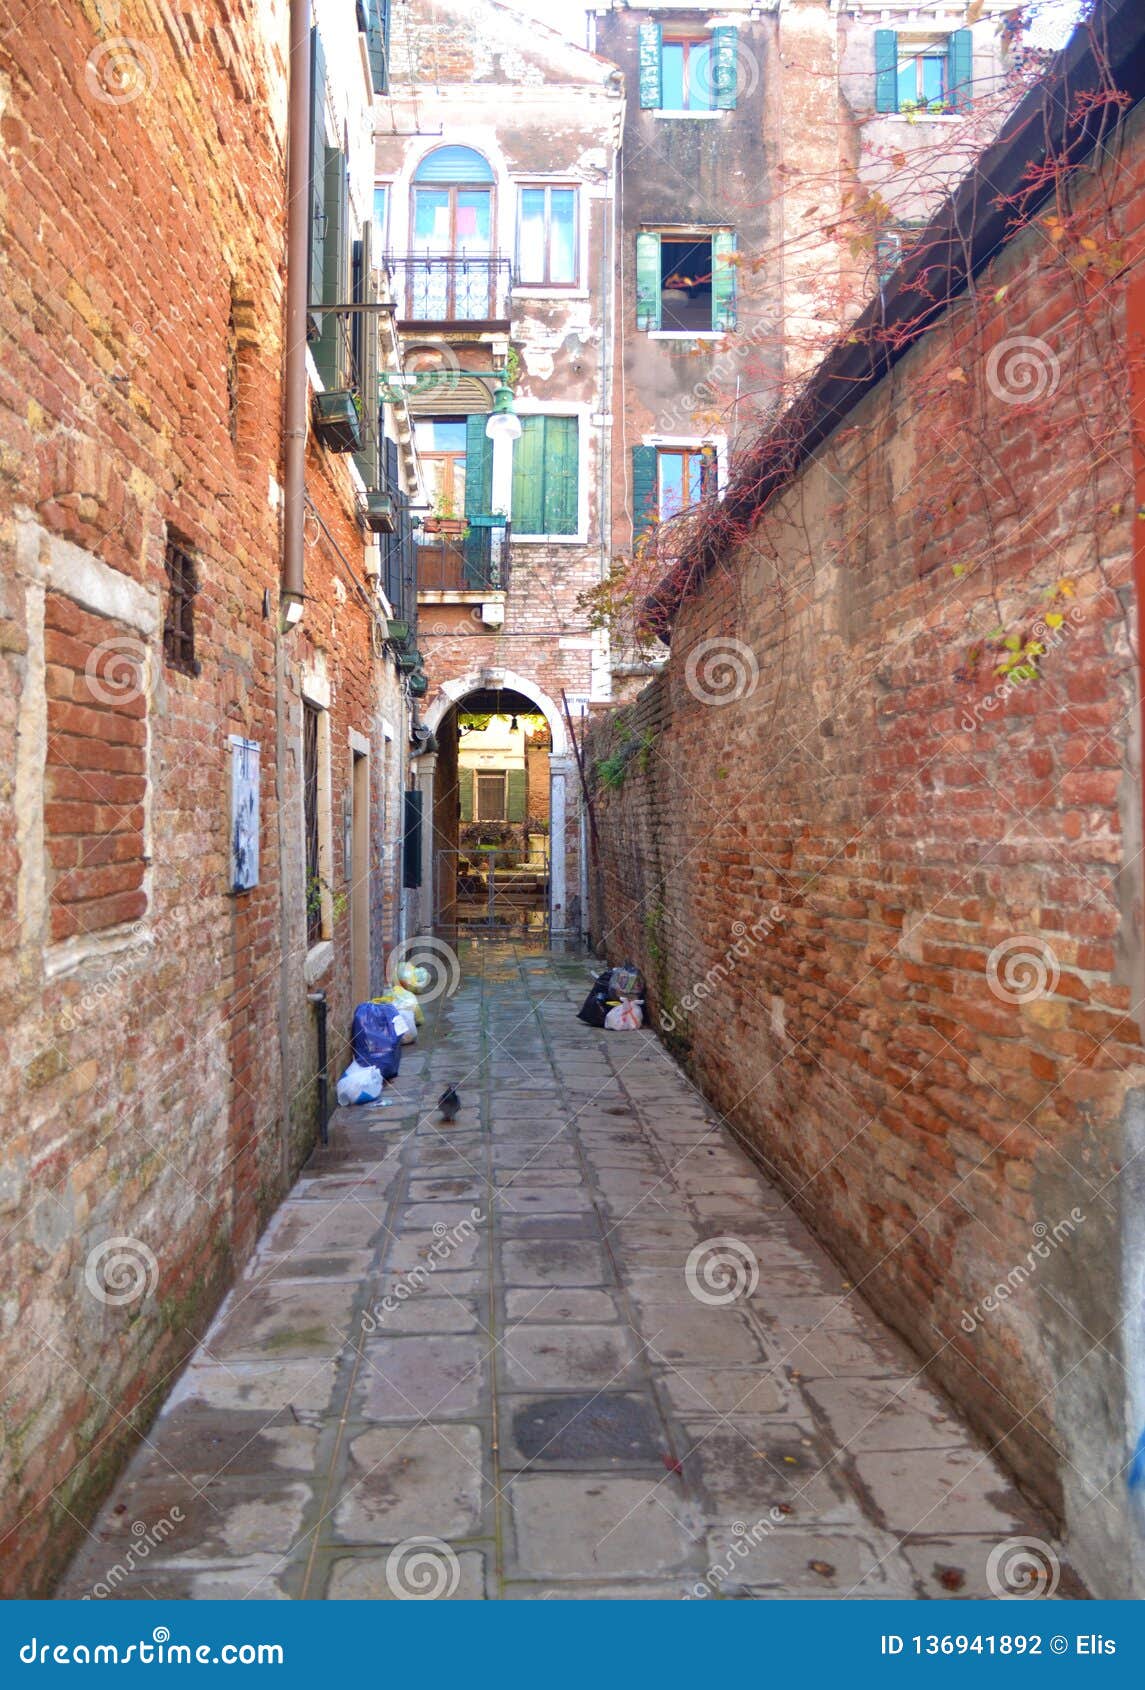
337, 420
446, 521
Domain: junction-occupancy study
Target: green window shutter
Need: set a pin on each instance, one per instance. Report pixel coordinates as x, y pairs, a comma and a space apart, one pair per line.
369, 459
317, 167
886, 70
960, 67
644, 511
465, 793
723, 281
329, 354
560, 503
478, 496
647, 280
724, 47
515, 796
528, 476
377, 35
650, 65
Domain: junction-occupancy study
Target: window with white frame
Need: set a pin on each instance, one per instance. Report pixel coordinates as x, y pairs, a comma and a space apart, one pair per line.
547, 219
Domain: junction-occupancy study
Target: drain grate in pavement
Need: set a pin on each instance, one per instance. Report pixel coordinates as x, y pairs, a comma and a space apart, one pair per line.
590, 1426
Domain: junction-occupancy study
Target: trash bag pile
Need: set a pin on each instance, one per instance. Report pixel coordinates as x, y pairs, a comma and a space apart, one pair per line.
616, 1001
381, 1027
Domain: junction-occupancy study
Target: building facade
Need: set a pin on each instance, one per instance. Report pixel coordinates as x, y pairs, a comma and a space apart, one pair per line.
495, 169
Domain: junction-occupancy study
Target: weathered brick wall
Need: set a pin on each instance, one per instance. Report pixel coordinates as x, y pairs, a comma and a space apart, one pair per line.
889, 906
158, 1076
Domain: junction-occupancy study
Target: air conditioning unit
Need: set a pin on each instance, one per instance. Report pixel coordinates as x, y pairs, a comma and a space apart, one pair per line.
493, 613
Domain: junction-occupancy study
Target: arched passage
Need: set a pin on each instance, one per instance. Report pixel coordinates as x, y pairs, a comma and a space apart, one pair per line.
501, 843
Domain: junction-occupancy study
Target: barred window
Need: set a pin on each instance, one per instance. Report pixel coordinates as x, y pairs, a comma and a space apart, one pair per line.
179, 623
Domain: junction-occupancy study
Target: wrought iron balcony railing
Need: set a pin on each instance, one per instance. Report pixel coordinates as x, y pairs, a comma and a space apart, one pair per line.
461, 287
478, 562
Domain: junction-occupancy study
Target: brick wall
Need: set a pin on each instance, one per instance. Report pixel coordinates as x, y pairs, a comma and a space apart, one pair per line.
888, 903
159, 1052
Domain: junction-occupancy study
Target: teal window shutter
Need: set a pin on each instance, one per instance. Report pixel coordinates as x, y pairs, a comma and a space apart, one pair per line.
515, 796
365, 328
723, 281
650, 65
465, 793
960, 67
644, 511
411, 837
560, 505
328, 353
478, 496
647, 280
317, 167
724, 49
377, 41
528, 474
886, 70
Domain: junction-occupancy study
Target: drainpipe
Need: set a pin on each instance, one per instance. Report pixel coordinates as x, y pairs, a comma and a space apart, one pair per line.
297, 260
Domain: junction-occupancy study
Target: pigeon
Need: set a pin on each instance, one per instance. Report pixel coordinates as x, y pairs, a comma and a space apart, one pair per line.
449, 1103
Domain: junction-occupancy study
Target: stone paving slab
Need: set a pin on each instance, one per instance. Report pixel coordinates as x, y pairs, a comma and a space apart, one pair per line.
572, 1346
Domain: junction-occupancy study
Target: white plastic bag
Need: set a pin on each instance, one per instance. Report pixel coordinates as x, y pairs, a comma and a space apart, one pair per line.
624, 1017
359, 1085
405, 1026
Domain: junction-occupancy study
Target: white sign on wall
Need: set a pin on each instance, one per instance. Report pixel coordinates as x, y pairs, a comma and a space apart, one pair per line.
244, 812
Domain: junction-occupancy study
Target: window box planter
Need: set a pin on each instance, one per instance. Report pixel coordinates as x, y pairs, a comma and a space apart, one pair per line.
379, 513
397, 631
408, 661
419, 684
449, 527
336, 420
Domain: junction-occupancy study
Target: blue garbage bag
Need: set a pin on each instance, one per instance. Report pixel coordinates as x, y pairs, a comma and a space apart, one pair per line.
376, 1042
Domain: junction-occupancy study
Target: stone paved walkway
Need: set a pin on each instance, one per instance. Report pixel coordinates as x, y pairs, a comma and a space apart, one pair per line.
490, 1336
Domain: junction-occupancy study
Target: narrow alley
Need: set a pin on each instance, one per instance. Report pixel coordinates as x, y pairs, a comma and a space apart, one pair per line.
571, 1345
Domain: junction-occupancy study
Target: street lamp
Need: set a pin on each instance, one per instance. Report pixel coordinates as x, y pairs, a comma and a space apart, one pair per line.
504, 423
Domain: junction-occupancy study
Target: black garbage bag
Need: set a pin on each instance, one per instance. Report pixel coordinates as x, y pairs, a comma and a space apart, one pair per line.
598, 1002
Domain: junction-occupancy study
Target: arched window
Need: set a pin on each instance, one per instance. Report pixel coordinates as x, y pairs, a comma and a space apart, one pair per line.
452, 222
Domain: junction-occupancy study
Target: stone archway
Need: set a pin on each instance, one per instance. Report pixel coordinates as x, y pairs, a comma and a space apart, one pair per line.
563, 804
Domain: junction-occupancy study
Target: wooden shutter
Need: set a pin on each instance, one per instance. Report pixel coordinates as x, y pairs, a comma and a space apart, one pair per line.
886, 70
560, 501
516, 796
317, 167
650, 65
647, 280
644, 511
377, 33
478, 496
411, 837
329, 354
365, 337
393, 543
528, 476
724, 49
723, 281
960, 67
465, 793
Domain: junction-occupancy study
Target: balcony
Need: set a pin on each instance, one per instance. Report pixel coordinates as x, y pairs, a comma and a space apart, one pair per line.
459, 288
477, 564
